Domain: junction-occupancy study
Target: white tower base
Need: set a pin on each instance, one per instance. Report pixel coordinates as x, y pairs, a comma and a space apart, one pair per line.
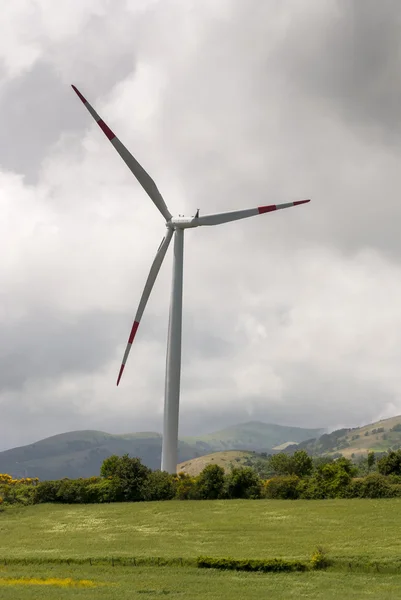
173, 363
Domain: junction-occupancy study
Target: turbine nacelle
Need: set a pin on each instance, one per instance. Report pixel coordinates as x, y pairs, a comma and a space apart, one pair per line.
182, 222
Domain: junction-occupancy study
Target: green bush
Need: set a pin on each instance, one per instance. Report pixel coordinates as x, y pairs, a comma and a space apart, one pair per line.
273, 565
312, 489
371, 486
299, 463
46, 491
18, 494
243, 482
284, 487
73, 491
390, 464
186, 488
210, 483
129, 476
101, 492
159, 485
319, 559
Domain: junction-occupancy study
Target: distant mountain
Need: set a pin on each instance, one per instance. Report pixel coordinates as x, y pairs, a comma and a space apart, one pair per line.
378, 437
254, 435
81, 453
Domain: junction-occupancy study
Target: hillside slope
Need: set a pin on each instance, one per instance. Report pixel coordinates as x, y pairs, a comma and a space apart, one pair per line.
378, 437
254, 435
81, 453
226, 459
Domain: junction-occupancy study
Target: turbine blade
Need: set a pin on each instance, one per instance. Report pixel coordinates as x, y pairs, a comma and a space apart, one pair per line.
154, 270
226, 217
142, 176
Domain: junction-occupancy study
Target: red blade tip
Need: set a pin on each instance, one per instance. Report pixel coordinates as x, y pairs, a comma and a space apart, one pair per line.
78, 93
120, 373
301, 202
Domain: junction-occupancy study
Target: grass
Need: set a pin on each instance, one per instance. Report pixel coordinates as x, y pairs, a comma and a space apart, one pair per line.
348, 529
34, 542
188, 583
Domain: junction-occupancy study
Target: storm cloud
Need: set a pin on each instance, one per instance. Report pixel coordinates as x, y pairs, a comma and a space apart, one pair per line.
293, 317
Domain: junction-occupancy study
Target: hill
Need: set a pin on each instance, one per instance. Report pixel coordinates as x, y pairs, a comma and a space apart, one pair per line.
81, 453
226, 459
253, 435
378, 437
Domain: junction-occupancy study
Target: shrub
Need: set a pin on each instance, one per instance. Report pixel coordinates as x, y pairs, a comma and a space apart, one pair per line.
46, 491
159, 485
300, 463
284, 487
243, 482
319, 559
72, 491
101, 492
210, 483
272, 565
128, 474
311, 489
371, 486
390, 464
185, 487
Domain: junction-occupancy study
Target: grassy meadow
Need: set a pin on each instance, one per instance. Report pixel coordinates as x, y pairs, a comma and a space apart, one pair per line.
123, 583
360, 536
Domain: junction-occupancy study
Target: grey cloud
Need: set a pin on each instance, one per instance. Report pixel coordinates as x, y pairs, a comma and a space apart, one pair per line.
259, 103
351, 61
48, 345
32, 109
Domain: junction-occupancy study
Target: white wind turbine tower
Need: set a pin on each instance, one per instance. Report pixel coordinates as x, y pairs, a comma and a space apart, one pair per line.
175, 227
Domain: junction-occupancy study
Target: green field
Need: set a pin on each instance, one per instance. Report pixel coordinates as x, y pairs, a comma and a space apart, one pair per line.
360, 536
123, 583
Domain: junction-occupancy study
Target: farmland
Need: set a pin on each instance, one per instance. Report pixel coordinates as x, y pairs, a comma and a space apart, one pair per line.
38, 542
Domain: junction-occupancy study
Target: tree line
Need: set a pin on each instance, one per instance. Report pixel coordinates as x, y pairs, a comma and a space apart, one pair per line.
126, 479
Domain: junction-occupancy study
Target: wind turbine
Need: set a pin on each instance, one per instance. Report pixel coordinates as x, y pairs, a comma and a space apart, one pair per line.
175, 228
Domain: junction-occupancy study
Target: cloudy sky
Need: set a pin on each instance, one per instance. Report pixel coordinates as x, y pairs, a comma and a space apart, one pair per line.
293, 317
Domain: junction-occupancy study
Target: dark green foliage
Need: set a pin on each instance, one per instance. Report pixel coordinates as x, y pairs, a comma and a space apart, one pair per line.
371, 460
102, 491
186, 487
243, 483
396, 427
18, 494
300, 464
75, 491
272, 565
129, 476
280, 464
330, 480
321, 460
159, 485
109, 466
210, 483
284, 487
390, 464
46, 491
372, 486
